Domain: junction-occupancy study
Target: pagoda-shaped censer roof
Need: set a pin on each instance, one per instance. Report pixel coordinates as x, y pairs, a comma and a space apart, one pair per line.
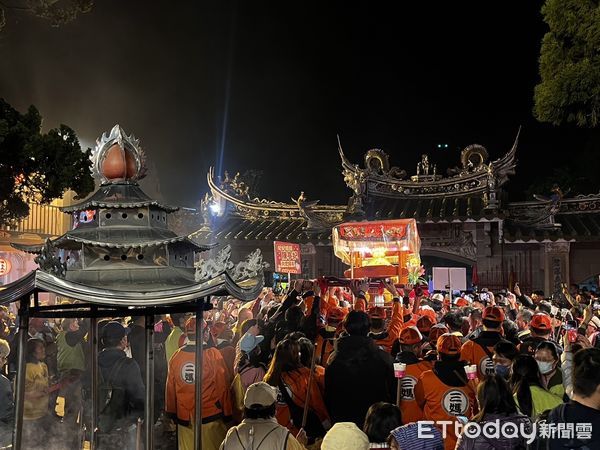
121, 247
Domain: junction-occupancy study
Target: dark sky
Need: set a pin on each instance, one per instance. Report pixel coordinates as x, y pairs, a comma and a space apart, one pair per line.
288, 77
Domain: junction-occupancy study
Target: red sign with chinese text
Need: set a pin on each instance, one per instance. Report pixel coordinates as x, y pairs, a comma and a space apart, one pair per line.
393, 230
287, 257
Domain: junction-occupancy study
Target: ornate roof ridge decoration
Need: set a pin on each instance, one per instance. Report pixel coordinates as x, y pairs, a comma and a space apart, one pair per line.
122, 194
49, 262
251, 267
580, 204
477, 176
542, 216
118, 157
255, 208
586, 197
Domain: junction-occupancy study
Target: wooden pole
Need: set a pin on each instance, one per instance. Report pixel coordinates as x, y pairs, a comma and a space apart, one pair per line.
310, 381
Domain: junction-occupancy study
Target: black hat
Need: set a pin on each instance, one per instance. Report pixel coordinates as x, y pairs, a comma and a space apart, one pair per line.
114, 330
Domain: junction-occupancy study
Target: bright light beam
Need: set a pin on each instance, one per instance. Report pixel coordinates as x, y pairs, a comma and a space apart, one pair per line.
221, 144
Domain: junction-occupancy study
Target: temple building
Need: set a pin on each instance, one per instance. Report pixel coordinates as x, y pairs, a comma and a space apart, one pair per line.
465, 219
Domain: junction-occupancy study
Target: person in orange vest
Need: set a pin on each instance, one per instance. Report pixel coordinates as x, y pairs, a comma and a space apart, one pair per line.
429, 348
290, 377
540, 327
385, 337
180, 392
424, 324
480, 350
326, 335
444, 392
410, 354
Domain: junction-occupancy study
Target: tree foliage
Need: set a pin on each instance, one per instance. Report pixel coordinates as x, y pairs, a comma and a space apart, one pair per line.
37, 167
569, 91
57, 12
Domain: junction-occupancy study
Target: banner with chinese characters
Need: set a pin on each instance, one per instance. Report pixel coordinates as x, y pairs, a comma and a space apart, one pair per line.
393, 230
287, 257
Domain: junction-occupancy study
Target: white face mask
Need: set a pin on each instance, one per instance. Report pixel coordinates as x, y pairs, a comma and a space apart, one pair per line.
544, 366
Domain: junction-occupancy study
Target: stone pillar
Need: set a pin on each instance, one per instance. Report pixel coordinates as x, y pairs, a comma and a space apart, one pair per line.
556, 266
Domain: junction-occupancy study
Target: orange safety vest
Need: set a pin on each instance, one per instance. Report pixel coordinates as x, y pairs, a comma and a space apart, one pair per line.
296, 383
442, 402
411, 411
393, 328
474, 353
324, 349
180, 388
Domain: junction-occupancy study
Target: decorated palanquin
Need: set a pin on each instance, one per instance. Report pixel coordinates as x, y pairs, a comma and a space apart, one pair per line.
379, 249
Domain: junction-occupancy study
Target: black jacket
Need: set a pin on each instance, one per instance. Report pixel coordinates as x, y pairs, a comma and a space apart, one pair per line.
359, 374
127, 377
137, 342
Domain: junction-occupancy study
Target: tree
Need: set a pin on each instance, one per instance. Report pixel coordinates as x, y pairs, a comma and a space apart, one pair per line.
37, 167
58, 12
569, 91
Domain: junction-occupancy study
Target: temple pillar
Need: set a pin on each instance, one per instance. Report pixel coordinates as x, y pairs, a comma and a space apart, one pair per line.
556, 266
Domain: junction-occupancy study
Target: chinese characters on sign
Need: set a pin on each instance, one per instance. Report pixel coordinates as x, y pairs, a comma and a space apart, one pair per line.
287, 257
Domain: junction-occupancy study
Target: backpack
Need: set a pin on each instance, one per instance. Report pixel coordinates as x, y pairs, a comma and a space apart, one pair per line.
112, 399
314, 428
557, 415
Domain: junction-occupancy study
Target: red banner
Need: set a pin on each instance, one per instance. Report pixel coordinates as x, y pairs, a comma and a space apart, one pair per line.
287, 257
388, 229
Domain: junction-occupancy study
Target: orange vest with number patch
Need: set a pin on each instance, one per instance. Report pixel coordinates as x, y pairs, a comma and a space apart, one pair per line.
442, 402
411, 411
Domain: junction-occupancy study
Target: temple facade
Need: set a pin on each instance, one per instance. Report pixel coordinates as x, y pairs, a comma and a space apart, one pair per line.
465, 219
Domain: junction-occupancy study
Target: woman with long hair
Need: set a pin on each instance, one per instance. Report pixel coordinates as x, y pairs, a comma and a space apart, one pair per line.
307, 350
496, 405
529, 393
290, 377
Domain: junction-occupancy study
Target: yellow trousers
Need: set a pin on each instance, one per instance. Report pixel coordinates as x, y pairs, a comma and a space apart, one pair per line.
213, 434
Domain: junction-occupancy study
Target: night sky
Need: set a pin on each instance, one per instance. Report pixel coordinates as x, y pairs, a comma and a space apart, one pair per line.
273, 83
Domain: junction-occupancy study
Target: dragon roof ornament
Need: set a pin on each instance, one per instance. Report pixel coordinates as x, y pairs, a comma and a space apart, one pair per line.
251, 267
477, 175
255, 208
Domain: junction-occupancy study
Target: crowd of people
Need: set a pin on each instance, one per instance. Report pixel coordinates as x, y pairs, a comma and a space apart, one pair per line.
324, 367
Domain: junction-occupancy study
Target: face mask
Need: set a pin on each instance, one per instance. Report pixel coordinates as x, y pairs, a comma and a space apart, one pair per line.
545, 366
501, 370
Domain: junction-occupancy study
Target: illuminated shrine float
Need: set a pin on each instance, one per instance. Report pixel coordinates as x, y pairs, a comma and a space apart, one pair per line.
381, 249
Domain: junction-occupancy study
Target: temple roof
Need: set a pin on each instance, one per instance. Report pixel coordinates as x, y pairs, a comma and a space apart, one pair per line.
282, 229
118, 195
573, 228
439, 209
554, 219
476, 176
